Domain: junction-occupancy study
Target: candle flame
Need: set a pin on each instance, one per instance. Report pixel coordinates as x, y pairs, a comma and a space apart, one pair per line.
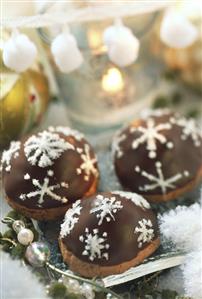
112, 81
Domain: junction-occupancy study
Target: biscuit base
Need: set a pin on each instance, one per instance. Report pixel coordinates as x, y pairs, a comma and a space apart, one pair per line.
47, 214
176, 193
92, 270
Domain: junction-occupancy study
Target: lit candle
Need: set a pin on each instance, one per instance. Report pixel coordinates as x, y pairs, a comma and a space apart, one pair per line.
112, 81
95, 41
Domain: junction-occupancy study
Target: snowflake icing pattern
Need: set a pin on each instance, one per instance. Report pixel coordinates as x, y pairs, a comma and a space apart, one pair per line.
95, 245
151, 134
189, 129
43, 189
137, 199
71, 218
160, 181
67, 132
13, 151
45, 147
88, 164
104, 208
145, 231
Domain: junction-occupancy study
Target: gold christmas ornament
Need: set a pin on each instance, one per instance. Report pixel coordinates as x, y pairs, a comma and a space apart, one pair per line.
23, 101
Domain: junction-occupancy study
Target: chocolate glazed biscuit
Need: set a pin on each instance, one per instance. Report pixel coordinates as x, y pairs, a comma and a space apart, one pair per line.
108, 233
45, 173
159, 157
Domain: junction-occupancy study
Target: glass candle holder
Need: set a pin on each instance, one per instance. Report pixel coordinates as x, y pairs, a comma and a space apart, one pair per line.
100, 96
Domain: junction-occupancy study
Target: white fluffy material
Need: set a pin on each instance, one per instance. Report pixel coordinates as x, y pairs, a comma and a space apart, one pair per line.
19, 52
122, 45
17, 281
183, 227
177, 31
172, 280
66, 53
192, 273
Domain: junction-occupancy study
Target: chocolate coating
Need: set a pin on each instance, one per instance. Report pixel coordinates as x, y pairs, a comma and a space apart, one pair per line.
118, 228
158, 155
66, 172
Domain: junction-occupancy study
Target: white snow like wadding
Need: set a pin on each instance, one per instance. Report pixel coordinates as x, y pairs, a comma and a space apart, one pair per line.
95, 244
71, 218
145, 232
45, 147
12, 152
137, 199
183, 227
105, 208
44, 188
88, 164
67, 132
159, 180
150, 135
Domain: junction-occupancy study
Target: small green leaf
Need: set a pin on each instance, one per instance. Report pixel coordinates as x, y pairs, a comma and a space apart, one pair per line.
18, 251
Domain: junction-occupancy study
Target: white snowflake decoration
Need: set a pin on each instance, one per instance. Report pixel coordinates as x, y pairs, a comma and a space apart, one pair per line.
71, 218
137, 199
95, 245
151, 134
145, 231
45, 147
67, 132
43, 189
189, 129
88, 164
116, 148
105, 208
13, 151
159, 181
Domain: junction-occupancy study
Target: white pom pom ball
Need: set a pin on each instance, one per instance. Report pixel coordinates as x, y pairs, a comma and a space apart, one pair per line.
177, 31
122, 45
19, 52
66, 53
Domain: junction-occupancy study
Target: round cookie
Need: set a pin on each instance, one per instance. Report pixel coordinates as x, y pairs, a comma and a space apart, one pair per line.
159, 156
108, 233
45, 173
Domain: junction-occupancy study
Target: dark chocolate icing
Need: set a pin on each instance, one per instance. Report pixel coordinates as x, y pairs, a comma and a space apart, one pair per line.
178, 149
121, 242
63, 174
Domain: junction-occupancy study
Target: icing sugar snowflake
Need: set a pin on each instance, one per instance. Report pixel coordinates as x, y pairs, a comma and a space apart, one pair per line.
67, 131
13, 151
71, 218
43, 148
189, 129
145, 231
160, 181
151, 134
95, 245
104, 208
88, 164
43, 189
116, 148
137, 199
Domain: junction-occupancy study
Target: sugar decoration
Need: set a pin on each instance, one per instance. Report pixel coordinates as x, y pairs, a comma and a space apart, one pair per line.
45, 147
105, 208
159, 180
44, 188
95, 244
12, 152
88, 164
71, 218
137, 199
145, 231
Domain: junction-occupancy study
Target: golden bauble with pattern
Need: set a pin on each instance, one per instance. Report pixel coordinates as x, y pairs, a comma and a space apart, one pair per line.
24, 99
